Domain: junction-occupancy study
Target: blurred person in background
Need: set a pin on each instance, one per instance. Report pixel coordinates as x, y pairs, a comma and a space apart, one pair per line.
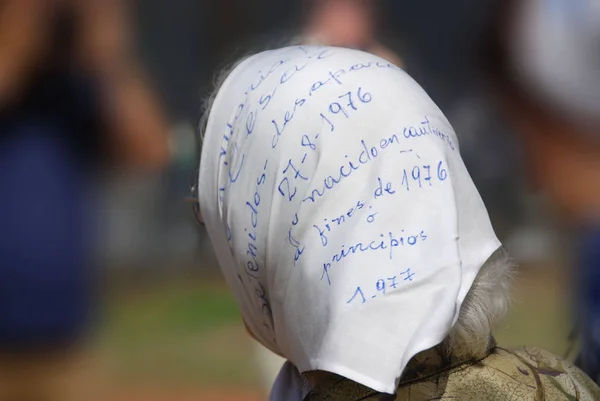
345, 23
542, 58
353, 322
72, 100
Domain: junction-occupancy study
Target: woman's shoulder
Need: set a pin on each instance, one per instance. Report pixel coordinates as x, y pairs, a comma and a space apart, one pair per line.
523, 374
557, 375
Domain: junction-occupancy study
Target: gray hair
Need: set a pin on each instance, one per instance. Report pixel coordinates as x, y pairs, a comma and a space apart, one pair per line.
484, 306
486, 302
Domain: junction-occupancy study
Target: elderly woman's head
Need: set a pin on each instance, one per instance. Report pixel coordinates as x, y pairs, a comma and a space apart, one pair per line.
343, 217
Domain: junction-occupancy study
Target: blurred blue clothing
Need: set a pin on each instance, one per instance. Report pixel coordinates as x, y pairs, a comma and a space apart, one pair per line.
48, 144
589, 251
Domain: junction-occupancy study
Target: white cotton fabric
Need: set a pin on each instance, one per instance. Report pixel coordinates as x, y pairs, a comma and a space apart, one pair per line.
340, 210
555, 49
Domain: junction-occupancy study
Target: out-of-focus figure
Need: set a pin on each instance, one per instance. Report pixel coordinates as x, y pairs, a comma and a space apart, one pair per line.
542, 58
346, 23
72, 99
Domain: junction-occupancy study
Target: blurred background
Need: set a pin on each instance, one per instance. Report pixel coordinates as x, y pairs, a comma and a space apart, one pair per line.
167, 327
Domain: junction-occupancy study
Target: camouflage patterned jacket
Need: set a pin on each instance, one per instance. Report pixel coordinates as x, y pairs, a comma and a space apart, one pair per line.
522, 374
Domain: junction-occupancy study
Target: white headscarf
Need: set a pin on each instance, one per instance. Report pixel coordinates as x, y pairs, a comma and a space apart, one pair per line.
340, 210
